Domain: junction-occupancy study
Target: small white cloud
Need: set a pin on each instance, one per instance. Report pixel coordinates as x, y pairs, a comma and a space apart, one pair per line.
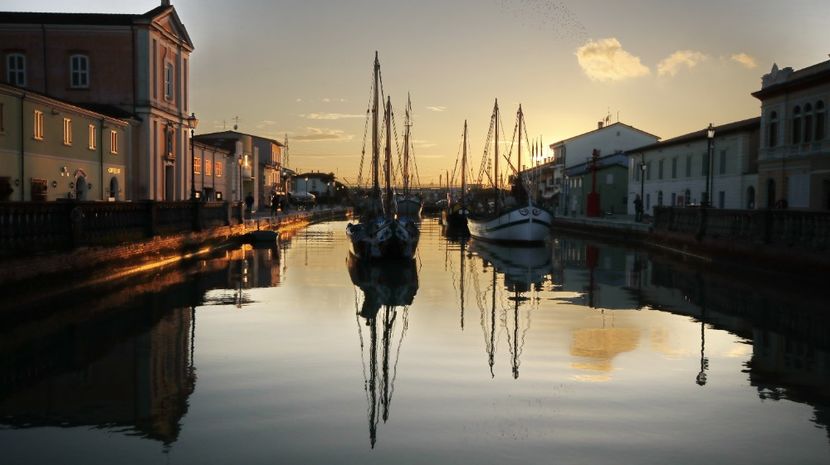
671, 65
438, 108
326, 100
747, 61
298, 100
320, 134
329, 116
342, 100
605, 60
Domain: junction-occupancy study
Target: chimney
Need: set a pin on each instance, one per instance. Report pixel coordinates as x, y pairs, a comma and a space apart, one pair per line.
165, 2
599, 124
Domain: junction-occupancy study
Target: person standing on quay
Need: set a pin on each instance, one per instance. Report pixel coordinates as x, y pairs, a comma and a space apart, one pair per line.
638, 209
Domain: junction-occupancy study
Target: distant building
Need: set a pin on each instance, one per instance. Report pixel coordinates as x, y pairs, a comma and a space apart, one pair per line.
51, 149
319, 184
568, 153
134, 63
794, 160
675, 169
260, 161
214, 166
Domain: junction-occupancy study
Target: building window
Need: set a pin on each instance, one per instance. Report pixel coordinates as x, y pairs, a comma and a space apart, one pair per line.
772, 136
93, 136
67, 131
704, 165
38, 125
168, 81
674, 168
721, 199
808, 123
688, 166
648, 201
114, 142
722, 167
197, 165
673, 199
169, 142
16, 69
796, 136
648, 171
820, 120
660, 170
659, 198
79, 71
208, 167
218, 168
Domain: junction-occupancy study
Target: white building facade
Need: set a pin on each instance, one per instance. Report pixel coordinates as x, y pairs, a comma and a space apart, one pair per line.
674, 172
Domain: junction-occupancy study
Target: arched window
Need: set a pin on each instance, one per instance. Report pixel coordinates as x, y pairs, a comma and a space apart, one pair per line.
772, 136
820, 120
796, 136
79, 71
808, 123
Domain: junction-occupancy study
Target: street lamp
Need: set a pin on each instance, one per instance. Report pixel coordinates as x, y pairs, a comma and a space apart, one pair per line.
710, 135
192, 122
642, 185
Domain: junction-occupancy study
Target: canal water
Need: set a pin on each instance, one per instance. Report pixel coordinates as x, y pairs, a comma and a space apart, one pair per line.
577, 352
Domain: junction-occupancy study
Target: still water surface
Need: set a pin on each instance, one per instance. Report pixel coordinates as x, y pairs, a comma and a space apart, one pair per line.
578, 352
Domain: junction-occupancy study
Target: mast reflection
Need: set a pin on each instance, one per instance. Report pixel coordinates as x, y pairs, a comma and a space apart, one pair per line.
523, 270
388, 287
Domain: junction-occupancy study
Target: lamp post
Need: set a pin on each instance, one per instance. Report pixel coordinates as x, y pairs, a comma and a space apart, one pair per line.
710, 135
642, 186
192, 122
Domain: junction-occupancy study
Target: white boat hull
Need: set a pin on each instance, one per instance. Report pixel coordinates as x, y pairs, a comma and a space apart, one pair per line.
528, 224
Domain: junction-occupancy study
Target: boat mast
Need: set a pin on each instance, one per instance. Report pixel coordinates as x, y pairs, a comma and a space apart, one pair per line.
519, 161
496, 167
375, 147
408, 125
387, 163
464, 167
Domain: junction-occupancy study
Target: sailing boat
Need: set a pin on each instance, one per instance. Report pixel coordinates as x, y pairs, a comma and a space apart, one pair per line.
455, 215
380, 233
515, 218
407, 204
385, 286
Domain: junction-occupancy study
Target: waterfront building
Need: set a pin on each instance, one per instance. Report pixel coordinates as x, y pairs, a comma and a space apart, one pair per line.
577, 150
51, 149
612, 184
794, 159
257, 161
132, 63
213, 168
320, 184
674, 172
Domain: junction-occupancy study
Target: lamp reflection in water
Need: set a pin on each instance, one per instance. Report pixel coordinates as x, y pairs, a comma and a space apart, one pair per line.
388, 288
524, 269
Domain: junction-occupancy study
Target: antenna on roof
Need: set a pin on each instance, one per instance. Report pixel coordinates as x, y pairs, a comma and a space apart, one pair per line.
235, 123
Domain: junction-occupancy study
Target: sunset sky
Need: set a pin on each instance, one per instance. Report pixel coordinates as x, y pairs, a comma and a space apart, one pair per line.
303, 67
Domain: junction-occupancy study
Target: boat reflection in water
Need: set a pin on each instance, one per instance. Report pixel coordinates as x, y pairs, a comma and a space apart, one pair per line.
388, 287
524, 271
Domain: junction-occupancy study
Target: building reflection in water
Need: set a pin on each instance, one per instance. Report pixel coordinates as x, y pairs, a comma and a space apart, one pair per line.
786, 321
388, 289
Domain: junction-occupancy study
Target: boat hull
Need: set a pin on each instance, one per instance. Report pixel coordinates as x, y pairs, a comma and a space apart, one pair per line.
529, 224
383, 238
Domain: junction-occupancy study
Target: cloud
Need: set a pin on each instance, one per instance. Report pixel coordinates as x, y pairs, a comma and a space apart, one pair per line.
745, 60
671, 65
424, 144
329, 116
605, 60
265, 124
438, 108
318, 134
326, 100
